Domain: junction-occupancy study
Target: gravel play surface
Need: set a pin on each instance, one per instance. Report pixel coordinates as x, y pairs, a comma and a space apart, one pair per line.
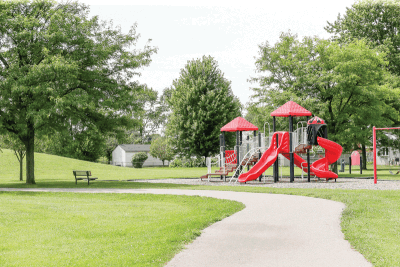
341, 183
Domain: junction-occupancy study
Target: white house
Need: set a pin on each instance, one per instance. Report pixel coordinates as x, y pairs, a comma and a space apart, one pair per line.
122, 155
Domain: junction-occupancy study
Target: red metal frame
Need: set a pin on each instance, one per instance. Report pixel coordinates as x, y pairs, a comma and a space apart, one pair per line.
374, 129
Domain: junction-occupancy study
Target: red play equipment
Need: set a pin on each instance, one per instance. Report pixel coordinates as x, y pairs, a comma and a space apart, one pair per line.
230, 159
282, 143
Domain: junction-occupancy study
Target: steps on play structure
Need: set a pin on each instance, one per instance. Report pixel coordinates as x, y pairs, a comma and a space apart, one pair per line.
221, 172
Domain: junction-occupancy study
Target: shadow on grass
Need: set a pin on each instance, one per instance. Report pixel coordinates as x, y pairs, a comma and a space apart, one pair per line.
96, 184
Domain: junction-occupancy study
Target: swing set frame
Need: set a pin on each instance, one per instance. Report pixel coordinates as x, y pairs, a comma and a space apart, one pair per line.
374, 129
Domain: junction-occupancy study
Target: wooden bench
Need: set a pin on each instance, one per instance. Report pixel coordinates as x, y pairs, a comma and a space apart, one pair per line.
83, 175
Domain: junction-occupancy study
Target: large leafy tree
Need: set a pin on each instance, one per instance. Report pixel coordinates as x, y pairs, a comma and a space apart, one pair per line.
344, 84
201, 102
57, 64
377, 21
151, 117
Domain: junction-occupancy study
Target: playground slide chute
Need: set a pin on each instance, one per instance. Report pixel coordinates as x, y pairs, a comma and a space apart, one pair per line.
332, 154
298, 161
268, 157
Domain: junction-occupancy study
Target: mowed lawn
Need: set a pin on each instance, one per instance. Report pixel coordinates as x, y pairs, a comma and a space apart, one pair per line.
67, 229
50, 168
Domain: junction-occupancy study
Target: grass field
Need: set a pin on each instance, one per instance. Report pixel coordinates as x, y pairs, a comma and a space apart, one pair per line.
50, 168
67, 229
371, 220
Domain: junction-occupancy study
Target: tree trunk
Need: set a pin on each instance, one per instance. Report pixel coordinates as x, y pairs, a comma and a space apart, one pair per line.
21, 163
30, 154
364, 157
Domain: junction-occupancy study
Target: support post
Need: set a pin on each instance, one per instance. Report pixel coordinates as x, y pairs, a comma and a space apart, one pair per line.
349, 165
237, 149
291, 163
240, 144
374, 151
308, 166
259, 153
308, 159
276, 167
361, 164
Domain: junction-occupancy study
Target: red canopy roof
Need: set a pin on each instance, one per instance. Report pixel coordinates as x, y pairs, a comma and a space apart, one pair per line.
239, 124
291, 109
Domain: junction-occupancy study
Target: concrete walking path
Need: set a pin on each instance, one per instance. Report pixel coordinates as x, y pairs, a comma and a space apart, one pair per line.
273, 230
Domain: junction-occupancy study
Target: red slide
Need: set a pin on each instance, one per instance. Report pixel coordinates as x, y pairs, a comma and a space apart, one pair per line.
298, 161
267, 158
332, 154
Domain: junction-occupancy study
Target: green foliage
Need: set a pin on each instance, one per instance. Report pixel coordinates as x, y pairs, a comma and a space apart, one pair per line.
138, 159
151, 117
59, 69
201, 101
160, 148
344, 84
187, 163
375, 20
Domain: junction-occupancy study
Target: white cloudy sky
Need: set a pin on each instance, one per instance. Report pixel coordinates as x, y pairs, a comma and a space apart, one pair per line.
231, 33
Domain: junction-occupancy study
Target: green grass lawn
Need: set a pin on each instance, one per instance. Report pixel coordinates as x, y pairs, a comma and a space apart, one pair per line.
50, 168
67, 229
371, 220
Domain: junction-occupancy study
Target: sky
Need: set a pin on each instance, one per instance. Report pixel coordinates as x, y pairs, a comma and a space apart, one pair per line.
229, 31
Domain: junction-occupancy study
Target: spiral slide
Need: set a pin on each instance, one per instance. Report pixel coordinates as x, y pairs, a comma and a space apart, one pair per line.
332, 154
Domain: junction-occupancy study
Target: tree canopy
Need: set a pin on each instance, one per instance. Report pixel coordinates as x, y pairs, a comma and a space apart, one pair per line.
201, 102
377, 21
160, 148
344, 84
59, 67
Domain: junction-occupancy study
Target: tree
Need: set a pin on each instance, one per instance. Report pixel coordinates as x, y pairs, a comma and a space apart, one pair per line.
344, 84
201, 103
161, 149
58, 65
377, 21
151, 117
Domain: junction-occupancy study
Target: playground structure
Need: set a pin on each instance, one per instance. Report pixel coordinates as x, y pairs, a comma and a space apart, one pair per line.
288, 144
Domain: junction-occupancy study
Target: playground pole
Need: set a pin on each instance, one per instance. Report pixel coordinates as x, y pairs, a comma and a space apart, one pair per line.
374, 151
259, 153
237, 149
276, 167
308, 160
291, 163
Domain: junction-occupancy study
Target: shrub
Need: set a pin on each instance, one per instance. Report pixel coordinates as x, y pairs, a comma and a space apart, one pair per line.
176, 163
138, 159
187, 162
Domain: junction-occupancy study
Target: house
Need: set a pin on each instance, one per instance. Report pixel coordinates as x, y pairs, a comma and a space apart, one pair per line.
122, 155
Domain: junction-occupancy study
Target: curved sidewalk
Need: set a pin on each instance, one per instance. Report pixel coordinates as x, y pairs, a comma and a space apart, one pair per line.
273, 230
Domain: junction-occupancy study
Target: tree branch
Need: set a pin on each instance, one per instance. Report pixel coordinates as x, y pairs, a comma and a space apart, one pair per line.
4, 61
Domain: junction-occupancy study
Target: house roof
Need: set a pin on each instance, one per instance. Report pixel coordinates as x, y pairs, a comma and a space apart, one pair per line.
239, 124
290, 109
135, 148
